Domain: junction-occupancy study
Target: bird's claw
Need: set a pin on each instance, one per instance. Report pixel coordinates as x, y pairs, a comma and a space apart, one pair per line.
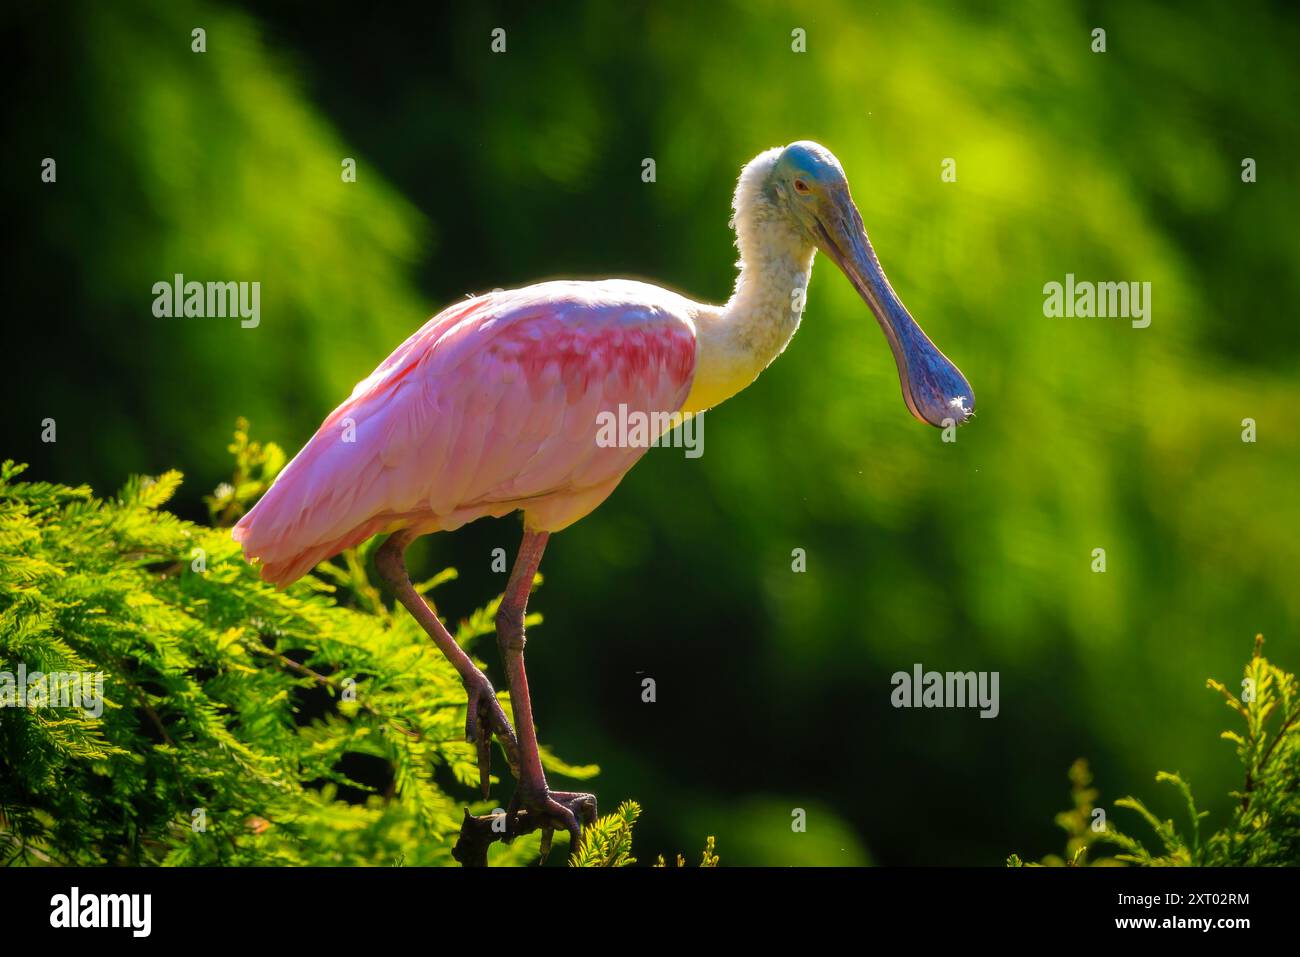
485, 718
569, 810
546, 811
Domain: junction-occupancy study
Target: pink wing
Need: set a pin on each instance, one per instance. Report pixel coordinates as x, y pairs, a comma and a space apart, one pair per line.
492, 406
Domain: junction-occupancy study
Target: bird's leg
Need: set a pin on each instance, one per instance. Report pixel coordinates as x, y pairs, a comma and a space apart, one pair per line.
532, 795
485, 716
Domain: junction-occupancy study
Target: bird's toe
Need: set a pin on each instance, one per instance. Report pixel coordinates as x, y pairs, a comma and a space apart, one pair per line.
484, 719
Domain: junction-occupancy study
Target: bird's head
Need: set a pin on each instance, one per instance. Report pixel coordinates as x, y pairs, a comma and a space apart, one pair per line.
806, 185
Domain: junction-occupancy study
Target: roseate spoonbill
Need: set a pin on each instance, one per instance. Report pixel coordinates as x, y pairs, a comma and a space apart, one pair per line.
492, 406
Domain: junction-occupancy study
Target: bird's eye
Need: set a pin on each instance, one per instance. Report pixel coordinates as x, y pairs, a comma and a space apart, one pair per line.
801, 187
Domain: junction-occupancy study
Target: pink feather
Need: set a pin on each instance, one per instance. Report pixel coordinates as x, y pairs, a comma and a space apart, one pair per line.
490, 407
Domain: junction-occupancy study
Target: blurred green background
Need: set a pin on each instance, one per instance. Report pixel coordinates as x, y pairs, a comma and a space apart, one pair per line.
478, 170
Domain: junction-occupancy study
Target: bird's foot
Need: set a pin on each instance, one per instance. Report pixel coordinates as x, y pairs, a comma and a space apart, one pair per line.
541, 808
485, 718
545, 810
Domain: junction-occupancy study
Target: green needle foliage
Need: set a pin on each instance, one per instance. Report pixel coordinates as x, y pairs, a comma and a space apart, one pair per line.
709, 859
1264, 829
240, 724
608, 843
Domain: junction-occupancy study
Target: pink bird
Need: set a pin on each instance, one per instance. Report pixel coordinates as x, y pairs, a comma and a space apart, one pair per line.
495, 405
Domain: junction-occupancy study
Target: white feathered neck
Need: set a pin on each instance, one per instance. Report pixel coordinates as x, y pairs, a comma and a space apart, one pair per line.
737, 341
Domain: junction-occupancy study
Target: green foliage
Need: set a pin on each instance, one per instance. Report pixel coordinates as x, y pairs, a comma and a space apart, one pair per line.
256, 466
1265, 826
240, 724
708, 859
1077, 822
608, 842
